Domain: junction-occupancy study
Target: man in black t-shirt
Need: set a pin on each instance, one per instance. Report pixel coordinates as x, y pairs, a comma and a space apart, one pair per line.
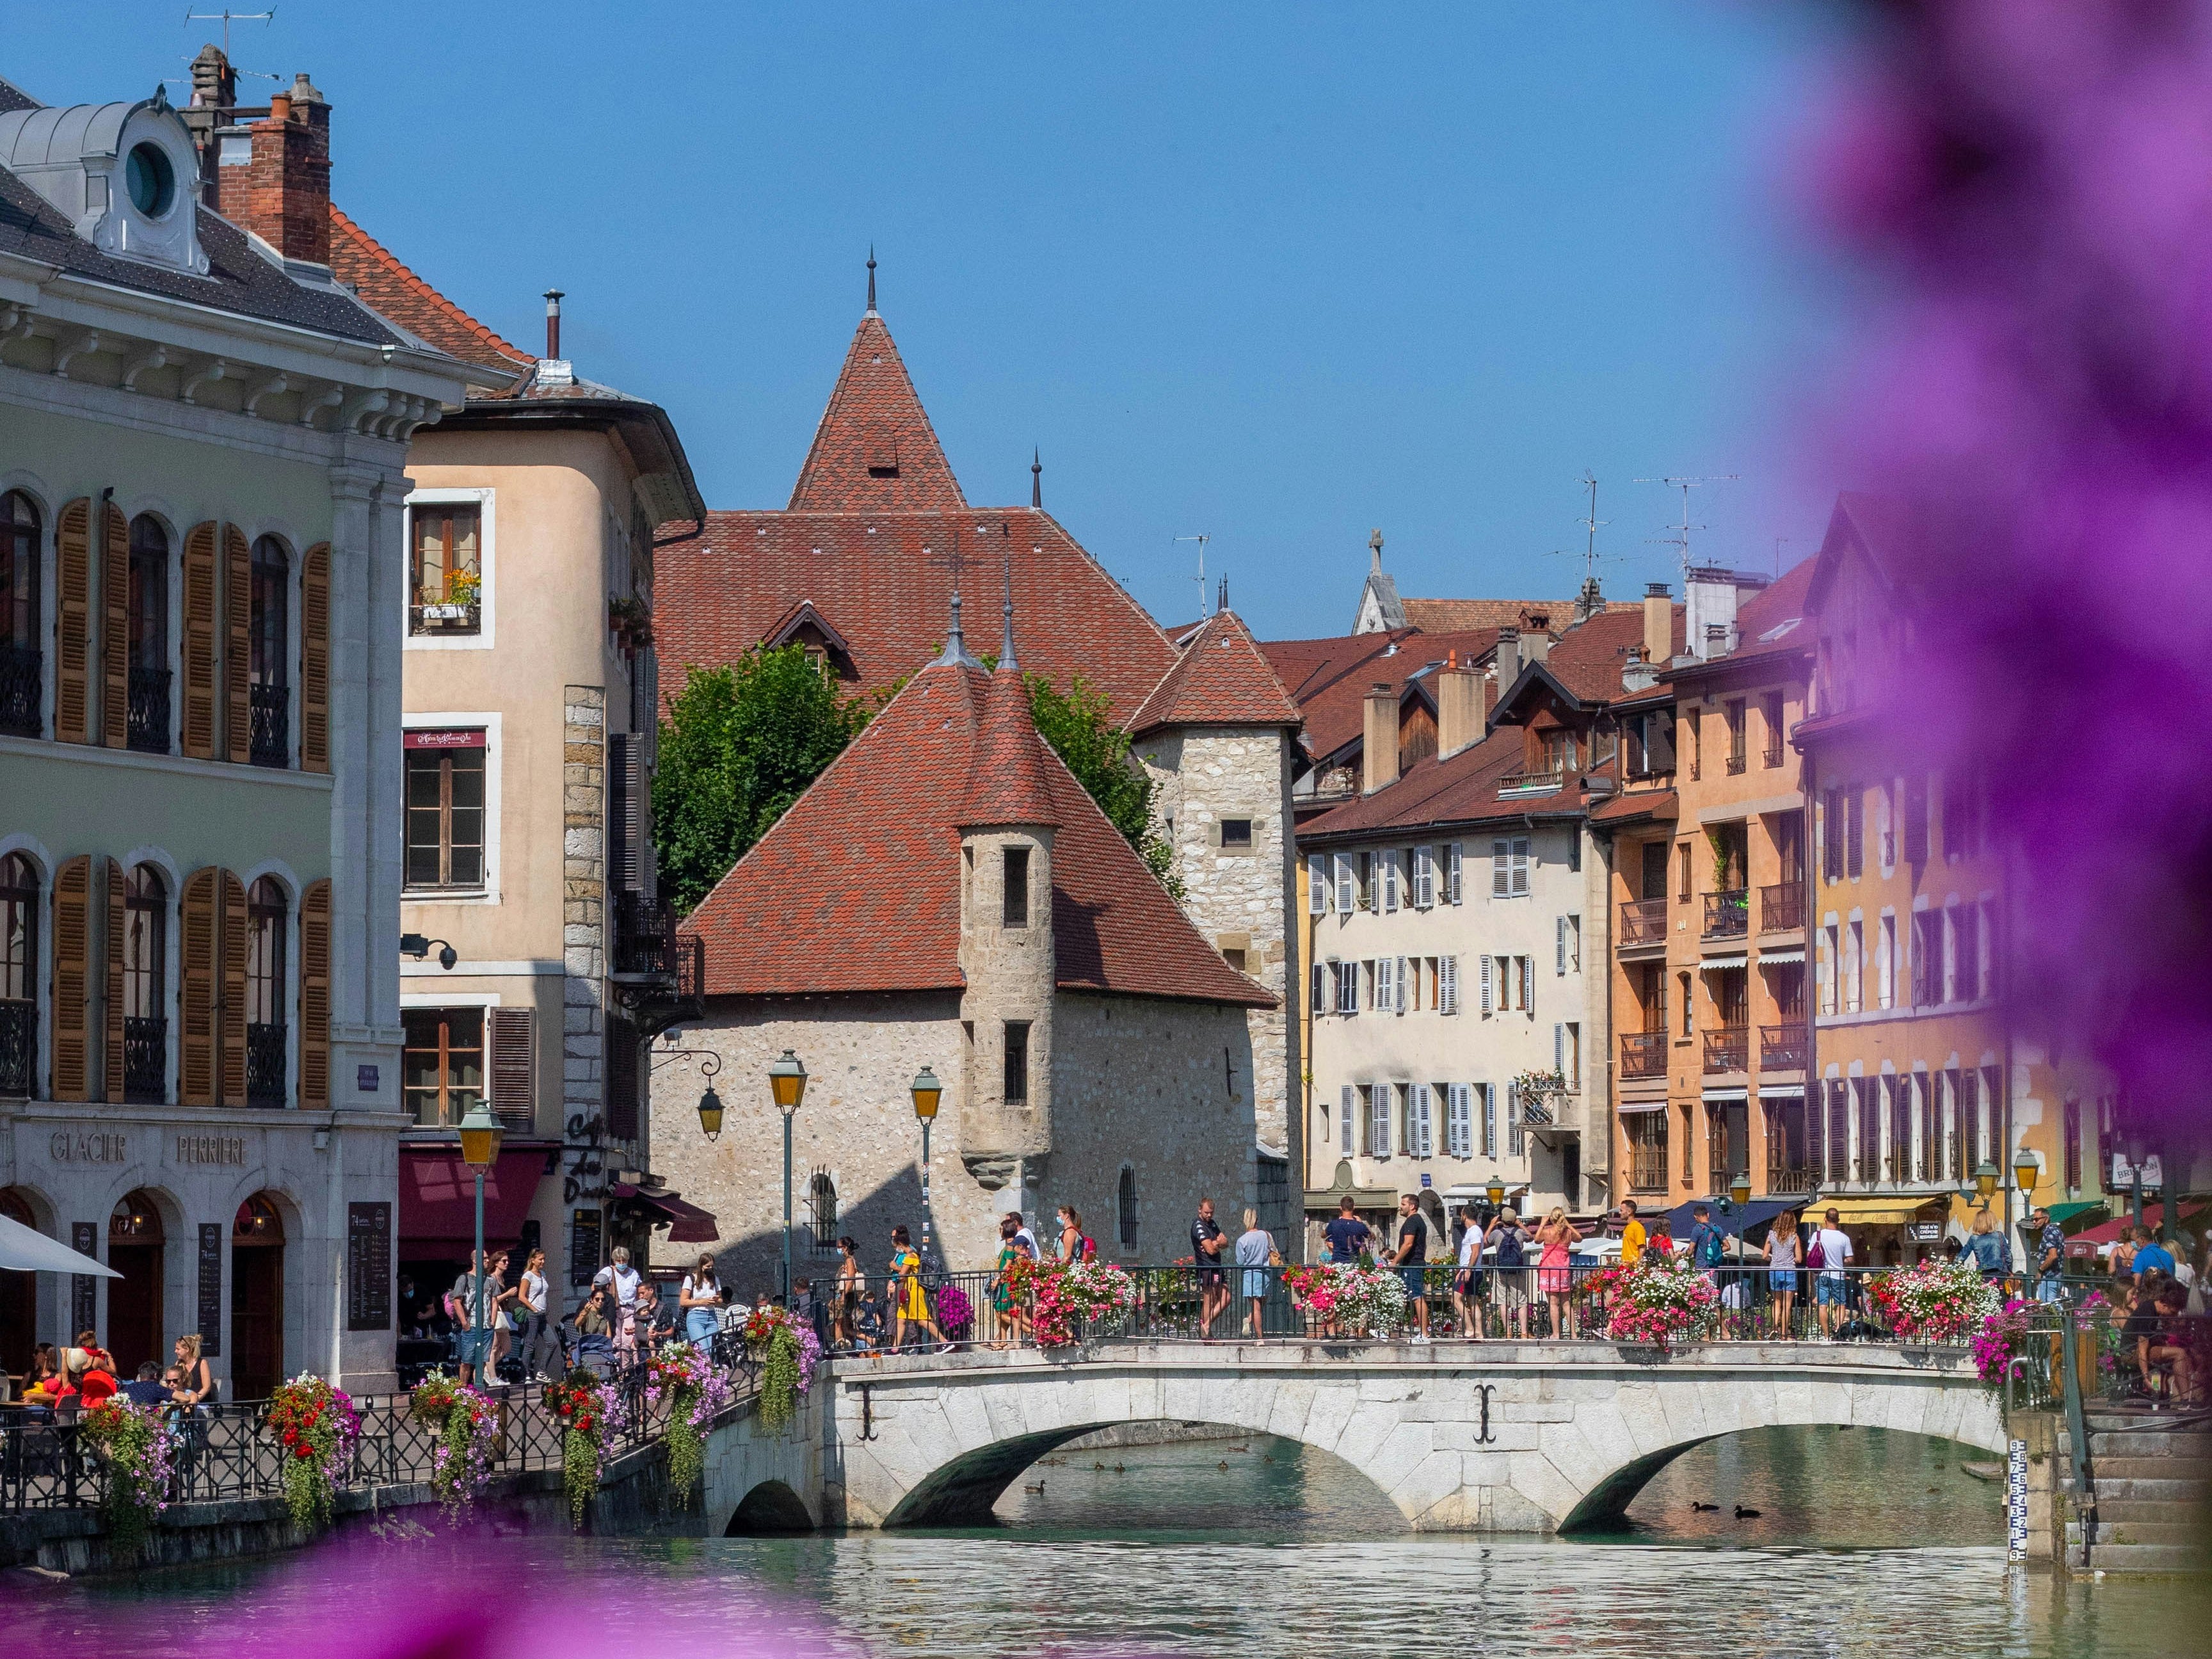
1411, 1258
1347, 1235
1206, 1242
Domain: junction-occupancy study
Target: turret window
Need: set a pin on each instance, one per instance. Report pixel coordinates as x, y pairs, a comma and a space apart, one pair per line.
1015, 911
1018, 1062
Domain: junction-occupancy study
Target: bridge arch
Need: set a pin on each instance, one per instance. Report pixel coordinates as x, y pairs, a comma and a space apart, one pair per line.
1529, 1438
770, 1507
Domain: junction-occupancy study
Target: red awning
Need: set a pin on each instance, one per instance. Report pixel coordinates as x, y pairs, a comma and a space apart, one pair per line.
438, 1195
2108, 1232
687, 1223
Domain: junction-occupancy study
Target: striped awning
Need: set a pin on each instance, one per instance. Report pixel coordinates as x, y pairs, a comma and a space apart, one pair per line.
1794, 953
1639, 1106
1712, 962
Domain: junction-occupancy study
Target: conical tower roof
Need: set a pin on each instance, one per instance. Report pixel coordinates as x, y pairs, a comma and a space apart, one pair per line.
1006, 776
875, 450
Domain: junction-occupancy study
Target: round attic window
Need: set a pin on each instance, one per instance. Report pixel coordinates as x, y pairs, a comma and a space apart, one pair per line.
152, 180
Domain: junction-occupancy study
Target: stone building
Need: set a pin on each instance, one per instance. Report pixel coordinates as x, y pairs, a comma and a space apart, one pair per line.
202, 438
946, 896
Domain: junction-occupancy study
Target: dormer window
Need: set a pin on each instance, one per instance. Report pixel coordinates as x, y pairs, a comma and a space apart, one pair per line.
152, 180
125, 176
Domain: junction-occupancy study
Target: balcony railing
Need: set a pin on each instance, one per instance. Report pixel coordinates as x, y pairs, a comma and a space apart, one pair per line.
272, 725
1782, 1048
1736, 763
19, 1046
1772, 756
150, 710
145, 1060
1533, 783
1783, 1180
1643, 921
264, 1065
1728, 1048
1643, 1054
21, 698
1728, 914
1782, 908
660, 974
443, 619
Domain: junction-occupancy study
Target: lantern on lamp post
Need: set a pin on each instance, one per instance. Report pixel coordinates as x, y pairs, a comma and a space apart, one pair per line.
926, 1091
786, 1086
480, 1138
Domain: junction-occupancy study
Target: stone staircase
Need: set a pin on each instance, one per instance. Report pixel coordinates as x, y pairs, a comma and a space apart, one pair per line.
2151, 1476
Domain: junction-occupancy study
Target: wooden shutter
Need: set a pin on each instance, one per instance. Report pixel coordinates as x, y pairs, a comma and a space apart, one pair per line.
114, 628
625, 809
72, 620
72, 1000
315, 996
112, 944
198, 618
315, 658
621, 1079
237, 645
514, 1064
230, 1025
199, 919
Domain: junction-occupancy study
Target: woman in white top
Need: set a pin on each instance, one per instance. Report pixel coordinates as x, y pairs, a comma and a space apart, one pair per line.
1467, 1295
530, 1294
701, 1300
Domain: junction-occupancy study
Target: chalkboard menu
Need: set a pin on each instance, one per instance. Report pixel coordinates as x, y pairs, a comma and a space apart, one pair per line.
583, 1247
84, 1288
211, 1300
369, 1267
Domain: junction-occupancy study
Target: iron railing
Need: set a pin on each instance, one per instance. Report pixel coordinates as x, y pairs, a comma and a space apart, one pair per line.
1728, 1048
272, 725
19, 1046
145, 1058
1728, 914
1643, 1054
1782, 1048
443, 619
1785, 1180
149, 724
22, 692
264, 1064
1782, 908
1643, 921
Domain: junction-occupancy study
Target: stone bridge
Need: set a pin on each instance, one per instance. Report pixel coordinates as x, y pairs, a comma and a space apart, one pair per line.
1502, 1436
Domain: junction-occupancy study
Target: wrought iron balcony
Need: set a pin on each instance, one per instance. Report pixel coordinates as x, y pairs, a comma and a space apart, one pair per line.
264, 1065
1785, 1180
22, 692
1643, 1054
150, 709
1782, 1048
19, 1046
1643, 921
272, 725
145, 1060
1728, 914
1735, 762
1782, 908
659, 974
1728, 1048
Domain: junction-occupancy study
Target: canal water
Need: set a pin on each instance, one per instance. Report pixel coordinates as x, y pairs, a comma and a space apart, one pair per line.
1864, 1543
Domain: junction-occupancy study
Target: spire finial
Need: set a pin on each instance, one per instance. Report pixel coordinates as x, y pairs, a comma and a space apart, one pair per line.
872, 279
1037, 478
955, 654
1375, 547
1222, 603
1006, 650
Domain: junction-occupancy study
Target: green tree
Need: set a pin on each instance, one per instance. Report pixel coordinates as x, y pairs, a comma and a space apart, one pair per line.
740, 745
1079, 727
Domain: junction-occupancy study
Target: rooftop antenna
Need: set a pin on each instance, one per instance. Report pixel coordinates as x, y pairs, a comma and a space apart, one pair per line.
1200, 578
1779, 541
227, 17
1591, 524
1679, 540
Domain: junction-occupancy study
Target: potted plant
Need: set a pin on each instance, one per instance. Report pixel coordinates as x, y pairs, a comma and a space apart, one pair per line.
317, 1427
631, 619
588, 1412
134, 1443
696, 1394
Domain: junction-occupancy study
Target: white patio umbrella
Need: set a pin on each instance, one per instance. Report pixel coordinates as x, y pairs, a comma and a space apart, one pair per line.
27, 1250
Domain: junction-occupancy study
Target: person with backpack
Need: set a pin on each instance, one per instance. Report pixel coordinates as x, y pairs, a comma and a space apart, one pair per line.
1508, 1253
1829, 1254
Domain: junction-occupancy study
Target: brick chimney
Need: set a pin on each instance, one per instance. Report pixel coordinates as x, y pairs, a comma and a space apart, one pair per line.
1459, 713
273, 176
1658, 625
1379, 741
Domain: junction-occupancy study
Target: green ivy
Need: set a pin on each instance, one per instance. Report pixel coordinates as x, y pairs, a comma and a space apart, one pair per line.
1078, 725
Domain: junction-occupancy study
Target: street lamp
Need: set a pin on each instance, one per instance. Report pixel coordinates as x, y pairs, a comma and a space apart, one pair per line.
480, 1137
1985, 1182
710, 1114
2025, 1169
786, 1086
927, 1092
1739, 1186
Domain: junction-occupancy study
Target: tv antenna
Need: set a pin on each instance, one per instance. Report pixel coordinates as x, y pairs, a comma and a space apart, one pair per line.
1591, 525
1679, 540
227, 17
1200, 578
1779, 543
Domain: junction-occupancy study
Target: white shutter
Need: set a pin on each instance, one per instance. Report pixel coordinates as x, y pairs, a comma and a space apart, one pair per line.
1527, 966
1378, 1120
1424, 1145
1317, 885
1520, 867
1560, 944
1501, 869
1460, 1130
1447, 985
1458, 859
1346, 897
1348, 987
1513, 1141
1489, 1119
1484, 1005
1425, 878
1559, 1049
1347, 1131
1399, 999
1386, 877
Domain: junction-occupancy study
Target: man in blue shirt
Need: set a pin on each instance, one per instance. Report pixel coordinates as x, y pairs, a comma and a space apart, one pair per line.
147, 1389
1347, 1235
2050, 1255
2151, 1256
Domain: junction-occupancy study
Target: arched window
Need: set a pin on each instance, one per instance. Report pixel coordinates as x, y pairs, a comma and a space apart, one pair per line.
1125, 1208
149, 635
145, 1005
264, 993
822, 1210
269, 652
19, 975
21, 703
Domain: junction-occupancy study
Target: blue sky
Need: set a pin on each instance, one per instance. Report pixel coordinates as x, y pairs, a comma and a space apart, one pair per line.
1280, 274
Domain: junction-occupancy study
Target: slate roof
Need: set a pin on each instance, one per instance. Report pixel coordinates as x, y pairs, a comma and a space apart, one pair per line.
393, 291
875, 450
856, 888
1220, 679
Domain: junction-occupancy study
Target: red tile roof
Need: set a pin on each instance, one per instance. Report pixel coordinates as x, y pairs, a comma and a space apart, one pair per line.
1329, 679
875, 450
1588, 658
883, 581
391, 289
1461, 788
857, 886
1656, 806
1466, 616
1221, 679
1006, 780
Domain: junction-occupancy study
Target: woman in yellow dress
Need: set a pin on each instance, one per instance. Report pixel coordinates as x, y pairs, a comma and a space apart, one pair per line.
909, 1301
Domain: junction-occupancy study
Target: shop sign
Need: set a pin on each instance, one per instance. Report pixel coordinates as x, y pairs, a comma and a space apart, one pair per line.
1927, 1232
88, 1146
230, 1149
2124, 1174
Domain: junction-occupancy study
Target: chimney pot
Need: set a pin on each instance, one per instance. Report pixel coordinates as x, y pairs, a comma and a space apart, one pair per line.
553, 298
1658, 624
1460, 713
1378, 744
280, 106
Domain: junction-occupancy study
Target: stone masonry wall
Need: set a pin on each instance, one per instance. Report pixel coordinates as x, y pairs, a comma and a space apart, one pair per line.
583, 913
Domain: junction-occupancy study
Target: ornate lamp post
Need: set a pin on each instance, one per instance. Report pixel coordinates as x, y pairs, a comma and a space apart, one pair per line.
927, 1092
480, 1138
1985, 1182
786, 1086
710, 1104
1495, 1191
